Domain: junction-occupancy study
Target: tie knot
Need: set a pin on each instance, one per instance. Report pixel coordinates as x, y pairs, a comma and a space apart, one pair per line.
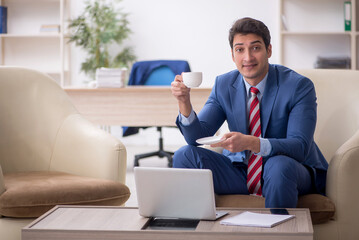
254, 90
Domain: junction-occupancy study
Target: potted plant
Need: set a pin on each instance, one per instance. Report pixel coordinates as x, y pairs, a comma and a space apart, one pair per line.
95, 30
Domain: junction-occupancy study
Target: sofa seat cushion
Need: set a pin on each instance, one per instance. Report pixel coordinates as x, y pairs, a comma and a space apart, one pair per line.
30, 194
321, 208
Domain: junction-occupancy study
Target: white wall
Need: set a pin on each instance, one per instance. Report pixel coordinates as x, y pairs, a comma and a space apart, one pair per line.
194, 30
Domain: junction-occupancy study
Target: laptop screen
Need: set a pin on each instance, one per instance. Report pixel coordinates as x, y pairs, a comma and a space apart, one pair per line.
175, 193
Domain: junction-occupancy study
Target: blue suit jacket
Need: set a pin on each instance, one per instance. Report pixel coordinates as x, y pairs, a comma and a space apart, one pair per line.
288, 117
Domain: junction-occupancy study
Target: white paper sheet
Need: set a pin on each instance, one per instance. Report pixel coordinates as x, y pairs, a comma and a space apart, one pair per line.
251, 219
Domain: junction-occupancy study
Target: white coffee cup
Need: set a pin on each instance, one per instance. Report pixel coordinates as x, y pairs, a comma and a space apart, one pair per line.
192, 79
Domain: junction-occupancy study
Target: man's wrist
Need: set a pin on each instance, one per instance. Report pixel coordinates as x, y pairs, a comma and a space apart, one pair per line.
185, 108
254, 144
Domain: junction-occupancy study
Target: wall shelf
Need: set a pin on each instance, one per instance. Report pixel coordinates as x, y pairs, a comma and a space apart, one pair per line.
42, 35
25, 45
315, 33
315, 28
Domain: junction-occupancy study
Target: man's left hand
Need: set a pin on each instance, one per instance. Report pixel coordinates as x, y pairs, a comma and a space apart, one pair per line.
238, 142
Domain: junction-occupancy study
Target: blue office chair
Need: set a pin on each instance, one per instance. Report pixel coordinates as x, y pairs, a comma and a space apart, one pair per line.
155, 73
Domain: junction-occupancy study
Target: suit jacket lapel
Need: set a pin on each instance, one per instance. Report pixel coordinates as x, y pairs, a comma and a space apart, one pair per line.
238, 104
269, 96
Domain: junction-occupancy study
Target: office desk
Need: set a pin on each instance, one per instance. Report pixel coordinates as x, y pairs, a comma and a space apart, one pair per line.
132, 106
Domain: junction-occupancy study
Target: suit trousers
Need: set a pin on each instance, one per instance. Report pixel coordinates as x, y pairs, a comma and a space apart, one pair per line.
283, 178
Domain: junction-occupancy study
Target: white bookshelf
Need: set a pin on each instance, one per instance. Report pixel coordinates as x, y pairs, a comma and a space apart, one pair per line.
313, 28
25, 45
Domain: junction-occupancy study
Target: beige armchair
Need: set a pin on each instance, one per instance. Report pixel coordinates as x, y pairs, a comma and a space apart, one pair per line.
50, 154
337, 135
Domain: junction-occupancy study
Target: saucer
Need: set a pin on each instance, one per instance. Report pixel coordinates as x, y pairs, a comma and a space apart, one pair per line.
209, 140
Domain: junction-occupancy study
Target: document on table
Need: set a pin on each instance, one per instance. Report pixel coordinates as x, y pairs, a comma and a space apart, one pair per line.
250, 219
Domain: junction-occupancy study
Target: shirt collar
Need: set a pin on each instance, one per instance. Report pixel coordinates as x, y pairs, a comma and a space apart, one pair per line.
260, 86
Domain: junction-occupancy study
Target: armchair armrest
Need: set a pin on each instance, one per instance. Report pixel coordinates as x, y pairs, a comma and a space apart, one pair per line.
2, 184
83, 149
342, 186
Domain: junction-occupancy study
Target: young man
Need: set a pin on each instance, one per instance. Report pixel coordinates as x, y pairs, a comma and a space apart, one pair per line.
271, 115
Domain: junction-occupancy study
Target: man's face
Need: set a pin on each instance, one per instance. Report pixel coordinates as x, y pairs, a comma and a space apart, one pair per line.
251, 57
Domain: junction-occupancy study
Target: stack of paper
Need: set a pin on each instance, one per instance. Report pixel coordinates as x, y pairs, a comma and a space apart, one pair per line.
47, 28
338, 62
110, 77
250, 219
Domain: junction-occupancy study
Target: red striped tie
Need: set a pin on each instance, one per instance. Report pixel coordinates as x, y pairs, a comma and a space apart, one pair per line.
254, 172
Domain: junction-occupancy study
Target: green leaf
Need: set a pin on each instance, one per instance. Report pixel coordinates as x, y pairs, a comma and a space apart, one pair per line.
100, 25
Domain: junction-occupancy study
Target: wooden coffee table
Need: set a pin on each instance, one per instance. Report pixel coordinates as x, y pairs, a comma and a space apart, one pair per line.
94, 223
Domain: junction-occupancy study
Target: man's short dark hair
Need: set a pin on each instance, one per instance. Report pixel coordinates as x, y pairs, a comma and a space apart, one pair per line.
248, 25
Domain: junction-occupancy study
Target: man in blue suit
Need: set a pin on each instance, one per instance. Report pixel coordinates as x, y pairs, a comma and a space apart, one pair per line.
292, 164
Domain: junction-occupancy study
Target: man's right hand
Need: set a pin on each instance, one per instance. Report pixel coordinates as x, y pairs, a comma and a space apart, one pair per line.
182, 94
